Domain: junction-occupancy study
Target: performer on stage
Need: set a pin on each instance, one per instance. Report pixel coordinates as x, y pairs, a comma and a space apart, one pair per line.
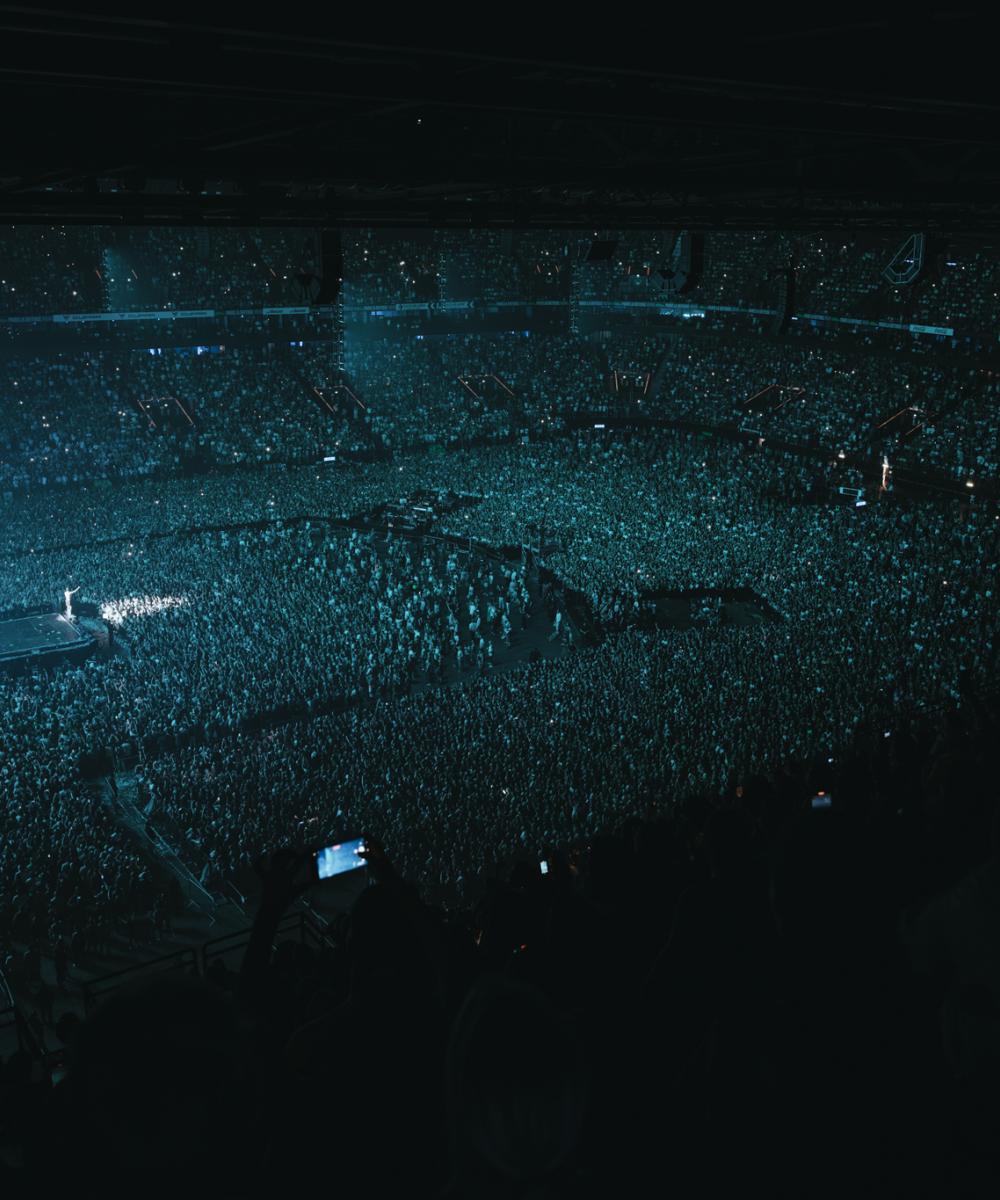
68, 614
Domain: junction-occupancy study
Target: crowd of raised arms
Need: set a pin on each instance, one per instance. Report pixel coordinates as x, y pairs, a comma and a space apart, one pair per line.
284, 671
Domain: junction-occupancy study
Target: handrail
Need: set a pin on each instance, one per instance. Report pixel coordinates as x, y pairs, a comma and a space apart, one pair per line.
312, 925
6, 993
9, 1017
236, 896
228, 942
94, 989
197, 959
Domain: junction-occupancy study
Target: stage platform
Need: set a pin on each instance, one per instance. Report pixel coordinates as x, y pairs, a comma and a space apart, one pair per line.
43, 637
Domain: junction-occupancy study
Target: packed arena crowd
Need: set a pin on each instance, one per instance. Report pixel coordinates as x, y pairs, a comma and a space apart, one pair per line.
840, 401
453, 389
885, 633
162, 412
58, 270
169, 268
278, 668
286, 621
49, 269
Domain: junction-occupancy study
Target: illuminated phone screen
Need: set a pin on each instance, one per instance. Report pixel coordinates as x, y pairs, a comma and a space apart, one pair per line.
339, 859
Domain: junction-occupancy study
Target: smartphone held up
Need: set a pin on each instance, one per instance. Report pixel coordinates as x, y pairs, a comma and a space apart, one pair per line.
340, 858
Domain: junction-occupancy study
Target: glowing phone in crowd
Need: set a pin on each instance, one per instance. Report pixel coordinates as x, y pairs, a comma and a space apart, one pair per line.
543, 866
821, 800
340, 858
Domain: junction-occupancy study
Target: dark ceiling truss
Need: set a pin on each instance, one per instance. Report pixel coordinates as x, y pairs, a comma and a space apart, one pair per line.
132, 120
582, 210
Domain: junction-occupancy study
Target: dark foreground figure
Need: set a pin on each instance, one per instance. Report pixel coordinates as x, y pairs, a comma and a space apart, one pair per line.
752, 992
